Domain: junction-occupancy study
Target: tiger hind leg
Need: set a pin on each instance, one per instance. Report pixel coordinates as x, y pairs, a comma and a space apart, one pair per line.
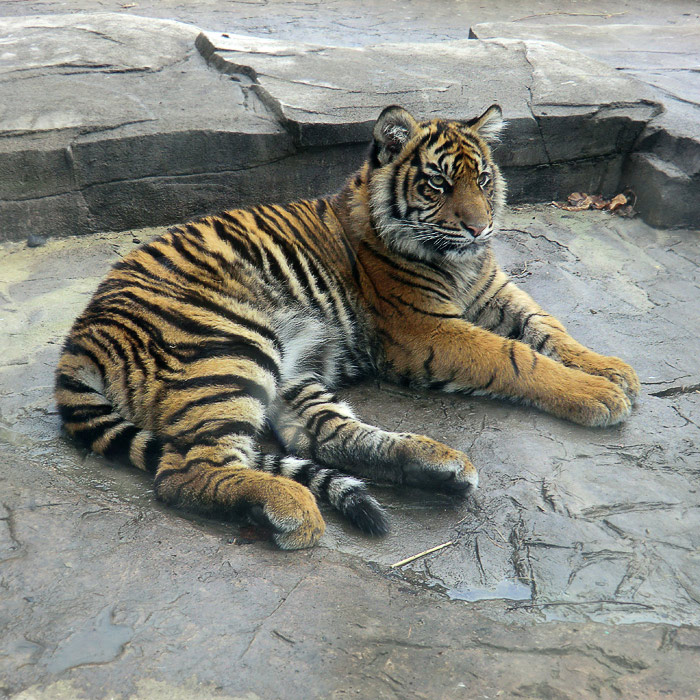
209, 478
312, 423
210, 421
203, 451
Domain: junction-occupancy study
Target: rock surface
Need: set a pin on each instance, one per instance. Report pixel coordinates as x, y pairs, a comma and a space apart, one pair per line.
114, 121
111, 121
573, 572
664, 170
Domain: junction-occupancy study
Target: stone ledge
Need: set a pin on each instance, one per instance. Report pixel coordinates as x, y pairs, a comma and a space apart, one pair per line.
537, 84
664, 170
120, 121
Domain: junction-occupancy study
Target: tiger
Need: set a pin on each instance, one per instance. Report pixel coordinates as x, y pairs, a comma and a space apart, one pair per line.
200, 340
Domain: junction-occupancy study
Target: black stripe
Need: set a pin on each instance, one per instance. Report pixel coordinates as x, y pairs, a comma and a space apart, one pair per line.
489, 383
333, 434
83, 412
192, 296
318, 420
542, 343
179, 246
204, 401
178, 320
302, 405
527, 319
425, 312
72, 348
238, 476
286, 216
322, 488
251, 388
306, 473
241, 246
162, 475
482, 291
203, 264
118, 447
63, 381
512, 360
202, 302
238, 347
290, 394
229, 427
88, 435
152, 454
411, 272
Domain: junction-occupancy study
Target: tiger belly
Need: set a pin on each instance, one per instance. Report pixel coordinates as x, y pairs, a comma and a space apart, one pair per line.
311, 346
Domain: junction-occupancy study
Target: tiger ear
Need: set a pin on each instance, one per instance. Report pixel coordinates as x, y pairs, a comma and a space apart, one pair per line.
393, 130
489, 124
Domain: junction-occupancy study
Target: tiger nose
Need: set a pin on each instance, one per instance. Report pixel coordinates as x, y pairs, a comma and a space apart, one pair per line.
475, 231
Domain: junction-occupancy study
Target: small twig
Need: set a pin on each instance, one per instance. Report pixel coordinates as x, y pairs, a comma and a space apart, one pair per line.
500, 534
494, 543
283, 637
605, 15
587, 602
422, 554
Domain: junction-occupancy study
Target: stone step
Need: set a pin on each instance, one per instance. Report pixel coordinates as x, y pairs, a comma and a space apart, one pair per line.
116, 121
664, 166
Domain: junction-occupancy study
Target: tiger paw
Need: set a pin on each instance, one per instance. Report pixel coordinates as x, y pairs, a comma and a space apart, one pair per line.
429, 464
617, 372
290, 511
589, 400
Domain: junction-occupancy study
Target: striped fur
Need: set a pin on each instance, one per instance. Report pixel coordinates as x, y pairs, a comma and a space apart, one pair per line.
199, 339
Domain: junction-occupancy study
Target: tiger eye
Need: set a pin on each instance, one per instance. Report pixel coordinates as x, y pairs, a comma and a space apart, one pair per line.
437, 182
484, 179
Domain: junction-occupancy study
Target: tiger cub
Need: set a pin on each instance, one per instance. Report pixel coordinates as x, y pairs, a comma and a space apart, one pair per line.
197, 340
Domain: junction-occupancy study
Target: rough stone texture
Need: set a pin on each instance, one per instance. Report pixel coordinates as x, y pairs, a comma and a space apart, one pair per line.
108, 594
669, 61
363, 22
115, 121
665, 169
110, 121
571, 119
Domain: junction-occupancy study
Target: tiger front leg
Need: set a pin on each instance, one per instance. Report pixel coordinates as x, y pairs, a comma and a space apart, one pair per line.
547, 335
520, 317
461, 356
311, 422
577, 356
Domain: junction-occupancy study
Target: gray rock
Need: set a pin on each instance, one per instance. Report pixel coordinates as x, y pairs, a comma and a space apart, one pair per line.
575, 567
663, 171
117, 122
538, 84
110, 101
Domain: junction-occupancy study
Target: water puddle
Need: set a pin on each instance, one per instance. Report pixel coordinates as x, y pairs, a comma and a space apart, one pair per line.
99, 642
505, 590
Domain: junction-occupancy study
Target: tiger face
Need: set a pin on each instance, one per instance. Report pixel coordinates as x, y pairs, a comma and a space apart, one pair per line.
434, 187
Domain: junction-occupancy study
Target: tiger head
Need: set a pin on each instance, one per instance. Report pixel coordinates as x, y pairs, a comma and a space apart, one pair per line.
434, 188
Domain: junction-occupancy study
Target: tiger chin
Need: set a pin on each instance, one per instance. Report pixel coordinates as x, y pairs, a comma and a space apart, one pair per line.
198, 340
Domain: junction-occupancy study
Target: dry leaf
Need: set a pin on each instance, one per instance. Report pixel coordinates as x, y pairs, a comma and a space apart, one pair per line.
621, 204
617, 201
